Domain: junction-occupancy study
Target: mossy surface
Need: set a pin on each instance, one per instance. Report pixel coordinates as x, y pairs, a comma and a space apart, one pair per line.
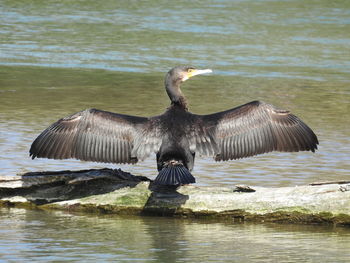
127, 197
282, 216
324, 204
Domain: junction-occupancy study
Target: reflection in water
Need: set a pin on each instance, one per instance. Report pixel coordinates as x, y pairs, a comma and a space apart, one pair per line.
42, 236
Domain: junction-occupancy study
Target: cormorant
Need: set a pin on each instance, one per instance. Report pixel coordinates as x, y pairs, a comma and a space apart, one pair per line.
176, 136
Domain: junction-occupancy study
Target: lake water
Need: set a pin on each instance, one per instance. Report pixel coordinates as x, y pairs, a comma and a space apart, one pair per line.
38, 236
57, 58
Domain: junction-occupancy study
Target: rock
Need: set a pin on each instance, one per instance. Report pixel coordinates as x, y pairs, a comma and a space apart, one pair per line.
115, 191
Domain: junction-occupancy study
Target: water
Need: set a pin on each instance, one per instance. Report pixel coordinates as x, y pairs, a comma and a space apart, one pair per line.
38, 236
57, 58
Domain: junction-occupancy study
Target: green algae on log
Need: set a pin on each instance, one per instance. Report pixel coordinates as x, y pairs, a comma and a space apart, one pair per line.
115, 191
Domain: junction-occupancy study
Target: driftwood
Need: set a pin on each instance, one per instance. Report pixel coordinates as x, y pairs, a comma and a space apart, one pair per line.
115, 191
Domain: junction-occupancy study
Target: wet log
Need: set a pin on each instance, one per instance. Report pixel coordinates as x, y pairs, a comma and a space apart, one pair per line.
115, 191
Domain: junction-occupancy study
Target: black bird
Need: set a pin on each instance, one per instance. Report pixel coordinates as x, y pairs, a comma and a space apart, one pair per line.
176, 135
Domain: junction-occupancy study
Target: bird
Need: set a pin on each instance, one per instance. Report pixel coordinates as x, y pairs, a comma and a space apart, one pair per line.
176, 136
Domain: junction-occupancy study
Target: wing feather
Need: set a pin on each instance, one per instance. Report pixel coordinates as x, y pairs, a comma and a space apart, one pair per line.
100, 136
252, 129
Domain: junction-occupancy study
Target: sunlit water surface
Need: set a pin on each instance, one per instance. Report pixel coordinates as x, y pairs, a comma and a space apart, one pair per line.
57, 58
38, 236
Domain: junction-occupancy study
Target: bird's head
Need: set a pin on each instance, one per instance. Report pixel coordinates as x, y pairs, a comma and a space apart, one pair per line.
181, 73
173, 80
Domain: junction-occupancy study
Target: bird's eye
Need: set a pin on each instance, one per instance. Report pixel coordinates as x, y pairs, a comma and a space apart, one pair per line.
190, 70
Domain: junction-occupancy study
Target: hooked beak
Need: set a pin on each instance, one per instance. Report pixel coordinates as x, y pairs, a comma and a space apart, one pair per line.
196, 72
200, 71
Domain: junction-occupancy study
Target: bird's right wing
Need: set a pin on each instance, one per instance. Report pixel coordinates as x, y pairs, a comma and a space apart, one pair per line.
99, 136
251, 129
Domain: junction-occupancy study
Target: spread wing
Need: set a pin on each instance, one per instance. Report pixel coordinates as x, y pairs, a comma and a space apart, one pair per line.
99, 136
251, 129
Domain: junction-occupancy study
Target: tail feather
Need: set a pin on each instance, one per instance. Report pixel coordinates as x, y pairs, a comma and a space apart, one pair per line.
174, 175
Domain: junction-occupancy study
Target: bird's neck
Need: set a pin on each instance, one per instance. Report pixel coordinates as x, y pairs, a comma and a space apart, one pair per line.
175, 94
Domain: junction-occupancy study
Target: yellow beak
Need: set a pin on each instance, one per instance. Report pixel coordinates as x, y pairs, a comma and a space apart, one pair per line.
195, 72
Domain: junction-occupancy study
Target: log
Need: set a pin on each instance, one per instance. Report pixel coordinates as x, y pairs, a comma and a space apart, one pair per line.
116, 191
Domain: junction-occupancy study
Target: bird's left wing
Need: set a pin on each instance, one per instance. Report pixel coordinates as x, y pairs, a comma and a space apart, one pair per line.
251, 129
